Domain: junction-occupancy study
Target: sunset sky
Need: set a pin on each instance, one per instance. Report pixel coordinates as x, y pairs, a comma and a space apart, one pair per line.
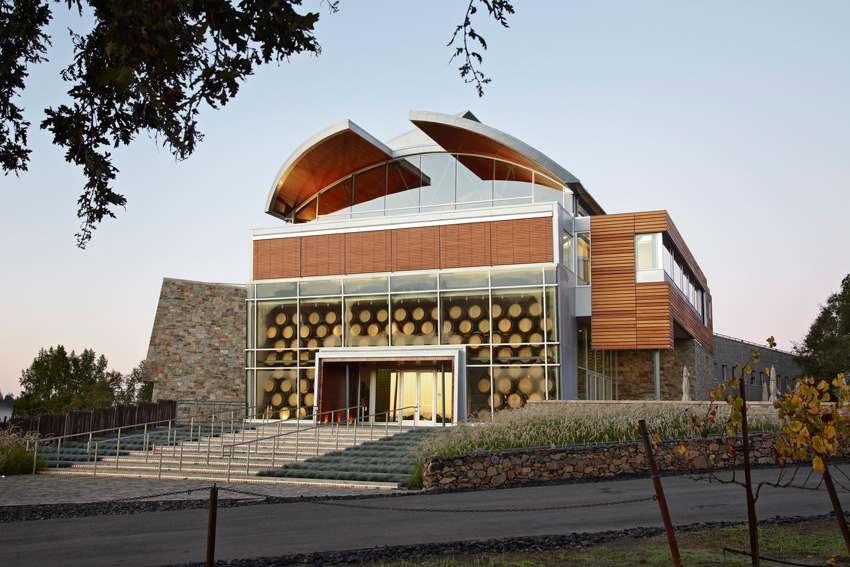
732, 116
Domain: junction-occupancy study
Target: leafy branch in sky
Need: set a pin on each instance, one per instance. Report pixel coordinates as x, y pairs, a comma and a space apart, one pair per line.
465, 35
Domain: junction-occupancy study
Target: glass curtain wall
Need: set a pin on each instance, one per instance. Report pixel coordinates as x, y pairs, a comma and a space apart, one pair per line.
597, 369
506, 319
433, 182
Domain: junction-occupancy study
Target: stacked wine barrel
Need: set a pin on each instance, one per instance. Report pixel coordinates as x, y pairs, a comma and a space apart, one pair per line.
514, 386
278, 388
367, 324
281, 332
414, 322
466, 321
320, 326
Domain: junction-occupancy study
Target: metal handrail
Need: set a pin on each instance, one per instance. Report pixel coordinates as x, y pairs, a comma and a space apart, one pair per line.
315, 427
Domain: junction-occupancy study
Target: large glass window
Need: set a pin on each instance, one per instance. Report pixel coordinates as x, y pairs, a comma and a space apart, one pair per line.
367, 321
567, 246
646, 251
415, 319
439, 192
583, 258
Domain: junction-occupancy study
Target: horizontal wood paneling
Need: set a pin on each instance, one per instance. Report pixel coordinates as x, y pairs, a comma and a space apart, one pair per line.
496, 243
654, 325
682, 313
612, 278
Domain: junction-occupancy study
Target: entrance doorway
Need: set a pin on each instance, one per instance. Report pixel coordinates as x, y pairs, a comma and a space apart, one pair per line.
415, 395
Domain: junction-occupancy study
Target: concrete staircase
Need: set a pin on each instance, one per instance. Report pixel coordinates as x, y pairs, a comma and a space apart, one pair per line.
208, 458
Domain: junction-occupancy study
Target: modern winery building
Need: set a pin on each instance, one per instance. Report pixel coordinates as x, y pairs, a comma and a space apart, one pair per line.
455, 271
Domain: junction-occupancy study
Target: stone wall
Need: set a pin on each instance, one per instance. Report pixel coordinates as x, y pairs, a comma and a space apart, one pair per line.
729, 351
636, 373
197, 346
490, 469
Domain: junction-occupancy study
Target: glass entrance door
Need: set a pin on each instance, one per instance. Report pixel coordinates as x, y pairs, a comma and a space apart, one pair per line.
420, 397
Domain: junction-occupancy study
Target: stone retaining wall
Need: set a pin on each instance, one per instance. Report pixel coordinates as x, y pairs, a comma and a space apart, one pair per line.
485, 470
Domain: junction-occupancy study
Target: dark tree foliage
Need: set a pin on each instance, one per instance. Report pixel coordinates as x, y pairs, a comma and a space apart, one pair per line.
149, 67
825, 351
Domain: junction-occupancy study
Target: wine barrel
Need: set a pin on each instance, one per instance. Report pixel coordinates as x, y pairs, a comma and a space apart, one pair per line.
497, 339
271, 356
475, 339
418, 314
525, 386
484, 385
516, 401
455, 340
525, 325
484, 353
365, 316
330, 341
355, 330
526, 354
330, 317
277, 400
302, 412
288, 332
400, 314
383, 315
269, 386
337, 330
435, 314
304, 385
475, 311
293, 343
427, 328
408, 328
455, 312
504, 385
277, 373
284, 414
504, 352
288, 356
483, 414
547, 325
496, 311
515, 310
280, 319
484, 326
505, 325
535, 309
314, 317
285, 385
279, 345
535, 372
498, 400
310, 373
535, 338
373, 329
321, 331
516, 371
313, 343
271, 332
305, 355
536, 396
293, 399
308, 399
304, 331
515, 339
447, 327
550, 384
465, 326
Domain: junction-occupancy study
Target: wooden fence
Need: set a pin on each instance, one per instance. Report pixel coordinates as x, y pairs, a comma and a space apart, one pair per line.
73, 422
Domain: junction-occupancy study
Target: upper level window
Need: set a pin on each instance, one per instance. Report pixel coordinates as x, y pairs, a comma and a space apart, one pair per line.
567, 245
583, 258
647, 251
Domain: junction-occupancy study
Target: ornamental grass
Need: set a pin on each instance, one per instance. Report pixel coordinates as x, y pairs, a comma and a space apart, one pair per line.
579, 423
14, 457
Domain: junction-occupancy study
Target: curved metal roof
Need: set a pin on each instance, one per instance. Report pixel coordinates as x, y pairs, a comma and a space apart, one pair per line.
344, 148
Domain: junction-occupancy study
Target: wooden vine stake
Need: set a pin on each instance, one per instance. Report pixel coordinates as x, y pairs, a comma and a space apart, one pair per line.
659, 495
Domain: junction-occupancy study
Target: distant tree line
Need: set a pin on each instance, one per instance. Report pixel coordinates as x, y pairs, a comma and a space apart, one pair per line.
58, 381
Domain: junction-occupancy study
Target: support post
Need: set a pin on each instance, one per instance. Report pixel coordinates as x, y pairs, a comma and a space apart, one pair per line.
748, 483
656, 367
836, 505
659, 494
211, 526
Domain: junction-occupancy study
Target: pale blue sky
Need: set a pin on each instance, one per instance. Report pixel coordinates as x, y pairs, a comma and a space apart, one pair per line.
733, 116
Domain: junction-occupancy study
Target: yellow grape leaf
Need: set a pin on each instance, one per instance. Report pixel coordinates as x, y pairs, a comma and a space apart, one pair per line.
734, 383
817, 444
657, 436
837, 383
748, 369
681, 449
829, 431
738, 404
822, 385
715, 395
771, 342
825, 397
817, 464
722, 387
736, 418
800, 454
795, 426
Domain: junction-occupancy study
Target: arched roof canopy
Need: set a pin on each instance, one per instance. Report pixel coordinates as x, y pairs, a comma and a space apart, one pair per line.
344, 148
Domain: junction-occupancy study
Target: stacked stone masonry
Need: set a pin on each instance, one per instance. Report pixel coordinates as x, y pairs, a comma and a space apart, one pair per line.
637, 379
486, 470
197, 347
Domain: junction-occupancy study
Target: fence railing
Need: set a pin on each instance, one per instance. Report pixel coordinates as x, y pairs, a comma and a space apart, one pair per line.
99, 419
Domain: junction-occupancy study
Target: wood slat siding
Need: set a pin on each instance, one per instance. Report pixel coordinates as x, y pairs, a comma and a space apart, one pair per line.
626, 315
612, 277
496, 243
